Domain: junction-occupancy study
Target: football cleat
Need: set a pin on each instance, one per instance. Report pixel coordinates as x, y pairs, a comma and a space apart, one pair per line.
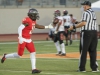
3, 58
63, 54
35, 71
58, 53
96, 70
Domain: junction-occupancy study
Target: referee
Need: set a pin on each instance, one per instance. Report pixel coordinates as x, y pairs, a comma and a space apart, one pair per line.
88, 38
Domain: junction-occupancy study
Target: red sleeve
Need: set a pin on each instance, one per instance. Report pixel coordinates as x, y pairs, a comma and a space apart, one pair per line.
25, 21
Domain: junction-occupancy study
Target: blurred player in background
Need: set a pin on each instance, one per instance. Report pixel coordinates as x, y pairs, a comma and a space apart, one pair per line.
24, 32
67, 23
73, 32
59, 33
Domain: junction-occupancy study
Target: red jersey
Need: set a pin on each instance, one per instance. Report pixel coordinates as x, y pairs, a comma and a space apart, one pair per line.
26, 32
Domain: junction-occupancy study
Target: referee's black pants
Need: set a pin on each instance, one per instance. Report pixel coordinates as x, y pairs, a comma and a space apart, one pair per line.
88, 44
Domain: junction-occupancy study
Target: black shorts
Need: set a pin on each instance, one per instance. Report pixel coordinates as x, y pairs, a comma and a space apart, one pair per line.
51, 35
66, 33
66, 27
59, 37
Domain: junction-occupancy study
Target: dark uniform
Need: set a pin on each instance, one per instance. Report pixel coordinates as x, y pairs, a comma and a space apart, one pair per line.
88, 39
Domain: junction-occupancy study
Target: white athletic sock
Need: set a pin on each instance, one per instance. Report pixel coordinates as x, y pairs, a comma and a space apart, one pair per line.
57, 46
63, 48
12, 55
33, 60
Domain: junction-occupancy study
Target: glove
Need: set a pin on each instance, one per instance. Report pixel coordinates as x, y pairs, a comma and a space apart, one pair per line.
49, 26
21, 40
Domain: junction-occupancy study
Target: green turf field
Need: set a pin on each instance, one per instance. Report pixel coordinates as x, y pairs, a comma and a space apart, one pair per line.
49, 66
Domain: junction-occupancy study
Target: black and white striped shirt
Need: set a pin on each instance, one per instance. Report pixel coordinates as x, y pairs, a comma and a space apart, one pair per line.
90, 18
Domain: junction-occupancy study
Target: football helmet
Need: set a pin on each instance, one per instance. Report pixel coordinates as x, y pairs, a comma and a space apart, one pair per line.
57, 13
65, 12
71, 15
33, 14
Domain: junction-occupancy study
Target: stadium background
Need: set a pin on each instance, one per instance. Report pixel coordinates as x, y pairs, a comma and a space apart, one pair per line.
12, 13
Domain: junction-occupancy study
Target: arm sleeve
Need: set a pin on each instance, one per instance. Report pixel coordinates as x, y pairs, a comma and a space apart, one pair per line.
21, 27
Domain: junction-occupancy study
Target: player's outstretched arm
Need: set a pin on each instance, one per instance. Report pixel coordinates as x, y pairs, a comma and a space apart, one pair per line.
39, 26
43, 27
77, 26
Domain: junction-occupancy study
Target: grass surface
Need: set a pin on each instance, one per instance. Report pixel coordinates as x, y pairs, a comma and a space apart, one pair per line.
49, 66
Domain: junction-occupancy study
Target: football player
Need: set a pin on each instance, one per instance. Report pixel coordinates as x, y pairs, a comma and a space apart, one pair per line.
24, 31
73, 22
67, 23
59, 33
